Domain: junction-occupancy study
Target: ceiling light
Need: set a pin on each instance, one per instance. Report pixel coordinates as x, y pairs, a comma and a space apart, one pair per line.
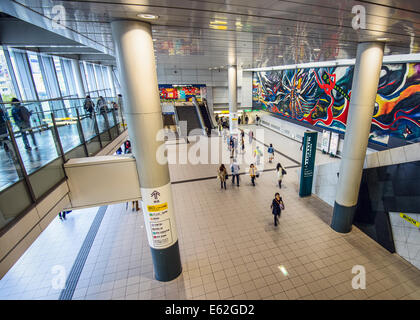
317, 49
218, 27
218, 22
147, 16
279, 56
283, 270
382, 39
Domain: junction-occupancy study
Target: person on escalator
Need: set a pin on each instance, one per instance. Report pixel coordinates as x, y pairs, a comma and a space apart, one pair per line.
101, 107
88, 105
127, 146
22, 117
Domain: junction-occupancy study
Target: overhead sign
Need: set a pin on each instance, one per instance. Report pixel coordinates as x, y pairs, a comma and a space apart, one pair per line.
308, 163
409, 219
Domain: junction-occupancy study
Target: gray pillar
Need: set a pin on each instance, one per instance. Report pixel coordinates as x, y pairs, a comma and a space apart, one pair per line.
365, 84
233, 100
136, 61
79, 82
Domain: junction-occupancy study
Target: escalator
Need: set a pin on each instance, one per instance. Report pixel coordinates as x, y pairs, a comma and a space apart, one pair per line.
188, 113
206, 116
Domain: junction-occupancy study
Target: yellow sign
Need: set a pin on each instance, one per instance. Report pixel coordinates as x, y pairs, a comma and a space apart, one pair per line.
158, 207
409, 219
234, 119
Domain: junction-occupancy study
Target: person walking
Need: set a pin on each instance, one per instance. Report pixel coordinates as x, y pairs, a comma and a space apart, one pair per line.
277, 205
271, 153
301, 145
234, 168
251, 136
257, 120
257, 155
88, 105
135, 205
235, 146
280, 173
243, 144
222, 175
62, 214
22, 117
246, 119
120, 101
231, 146
252, 173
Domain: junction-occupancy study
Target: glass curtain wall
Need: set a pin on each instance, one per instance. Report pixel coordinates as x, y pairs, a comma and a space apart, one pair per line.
93, 87
7, 89
84, 76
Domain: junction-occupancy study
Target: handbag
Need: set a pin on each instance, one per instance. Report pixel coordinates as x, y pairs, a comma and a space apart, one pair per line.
281, 205
283, 171
226, 177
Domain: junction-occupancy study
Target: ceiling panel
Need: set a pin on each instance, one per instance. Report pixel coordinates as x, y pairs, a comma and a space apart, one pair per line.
263, 33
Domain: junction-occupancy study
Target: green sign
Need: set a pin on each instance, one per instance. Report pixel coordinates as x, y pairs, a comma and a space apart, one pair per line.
308, 163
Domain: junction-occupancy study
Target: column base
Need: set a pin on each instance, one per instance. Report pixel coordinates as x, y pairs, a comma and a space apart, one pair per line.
342, 219
167, 262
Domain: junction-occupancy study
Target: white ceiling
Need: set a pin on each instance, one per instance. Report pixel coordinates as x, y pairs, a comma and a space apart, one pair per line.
263, 32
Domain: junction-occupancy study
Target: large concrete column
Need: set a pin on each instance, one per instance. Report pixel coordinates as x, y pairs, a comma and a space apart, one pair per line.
79, 82
233, 100
365, 85
136, 61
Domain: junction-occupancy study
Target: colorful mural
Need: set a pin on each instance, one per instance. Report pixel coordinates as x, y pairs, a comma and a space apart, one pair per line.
170, 93
321, 97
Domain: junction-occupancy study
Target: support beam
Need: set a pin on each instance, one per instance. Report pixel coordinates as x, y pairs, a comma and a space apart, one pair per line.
233, 100
136, 61
365, 84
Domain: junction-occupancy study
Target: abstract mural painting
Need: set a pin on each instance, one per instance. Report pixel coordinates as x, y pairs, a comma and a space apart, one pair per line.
321, 97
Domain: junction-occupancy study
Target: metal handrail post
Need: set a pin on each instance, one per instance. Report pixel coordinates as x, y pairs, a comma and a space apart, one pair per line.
20, 161
81, 133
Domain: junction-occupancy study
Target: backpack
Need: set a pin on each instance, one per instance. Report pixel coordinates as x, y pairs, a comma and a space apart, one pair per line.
16, 114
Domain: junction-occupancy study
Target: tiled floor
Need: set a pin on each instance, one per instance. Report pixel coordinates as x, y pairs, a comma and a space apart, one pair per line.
231, 250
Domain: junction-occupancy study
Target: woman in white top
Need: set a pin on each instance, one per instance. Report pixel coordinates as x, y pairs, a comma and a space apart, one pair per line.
280, 172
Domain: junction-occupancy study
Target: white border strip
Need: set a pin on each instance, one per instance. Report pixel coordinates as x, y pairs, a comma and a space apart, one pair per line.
400, 58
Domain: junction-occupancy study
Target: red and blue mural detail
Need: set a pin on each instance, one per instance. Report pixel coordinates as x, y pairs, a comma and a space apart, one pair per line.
321, 97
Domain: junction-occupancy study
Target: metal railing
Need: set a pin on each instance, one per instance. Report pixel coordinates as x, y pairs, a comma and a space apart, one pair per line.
32, 155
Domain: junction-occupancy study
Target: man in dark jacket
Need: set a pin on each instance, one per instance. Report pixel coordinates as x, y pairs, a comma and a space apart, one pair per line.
88, 105
22, 118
